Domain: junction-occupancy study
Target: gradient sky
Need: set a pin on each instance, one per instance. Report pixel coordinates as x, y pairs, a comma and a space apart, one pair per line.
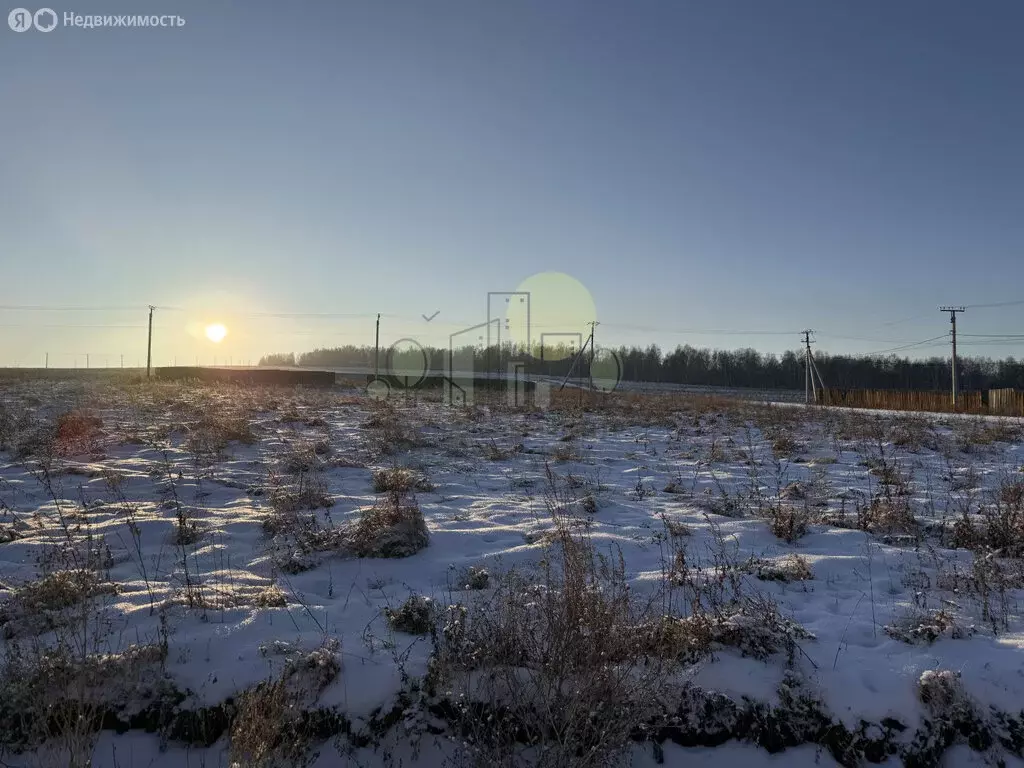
716, 165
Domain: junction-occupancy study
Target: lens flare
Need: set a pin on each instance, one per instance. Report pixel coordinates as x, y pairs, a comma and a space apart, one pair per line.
216, 333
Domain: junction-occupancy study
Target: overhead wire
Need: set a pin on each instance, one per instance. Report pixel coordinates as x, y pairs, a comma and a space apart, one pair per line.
907, 346
65, 325
860, 338
60, 308
701, 332
991, 335
971, 339
1015, 303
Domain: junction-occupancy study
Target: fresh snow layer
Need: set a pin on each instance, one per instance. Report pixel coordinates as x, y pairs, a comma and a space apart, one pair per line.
486, 512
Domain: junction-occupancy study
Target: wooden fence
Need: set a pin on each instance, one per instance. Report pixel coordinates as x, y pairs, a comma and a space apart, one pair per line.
1006, 402
896, 400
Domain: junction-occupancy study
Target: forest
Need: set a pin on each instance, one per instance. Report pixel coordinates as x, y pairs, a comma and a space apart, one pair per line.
689, 365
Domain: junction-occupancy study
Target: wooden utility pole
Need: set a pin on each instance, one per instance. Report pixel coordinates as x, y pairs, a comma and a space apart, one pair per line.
952, 320
376, 352
579, 356
593, 325
812, 376
149, 344
808, 377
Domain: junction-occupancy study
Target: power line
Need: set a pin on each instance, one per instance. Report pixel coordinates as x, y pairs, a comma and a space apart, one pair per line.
329, 315
863, 338
59, 308
699, 331
64, 325
143, 308
891, 323
907, 346
996, 304
993, 343
993, 335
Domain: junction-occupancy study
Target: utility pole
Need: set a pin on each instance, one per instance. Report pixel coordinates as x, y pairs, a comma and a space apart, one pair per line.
809, 370
593, 325
952, 320
376, 352
122, 361
149, 343
87, 360
577, 356
47, 360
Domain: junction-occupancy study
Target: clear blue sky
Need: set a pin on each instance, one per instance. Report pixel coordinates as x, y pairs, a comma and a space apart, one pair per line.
697, 165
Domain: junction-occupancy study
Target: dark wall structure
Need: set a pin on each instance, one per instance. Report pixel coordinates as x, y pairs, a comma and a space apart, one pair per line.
262, 376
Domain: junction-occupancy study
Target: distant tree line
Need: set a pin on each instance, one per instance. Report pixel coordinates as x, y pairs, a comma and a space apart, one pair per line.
690, 365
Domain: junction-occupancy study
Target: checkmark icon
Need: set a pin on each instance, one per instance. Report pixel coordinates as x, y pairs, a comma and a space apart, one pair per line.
428, 319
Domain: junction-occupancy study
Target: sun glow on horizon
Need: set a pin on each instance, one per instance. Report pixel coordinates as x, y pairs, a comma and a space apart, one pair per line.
216, 333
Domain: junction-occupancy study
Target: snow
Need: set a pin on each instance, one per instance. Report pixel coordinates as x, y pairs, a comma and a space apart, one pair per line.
484, 512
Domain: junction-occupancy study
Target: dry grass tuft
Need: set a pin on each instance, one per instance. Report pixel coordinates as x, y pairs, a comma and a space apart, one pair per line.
943, 694
77, 432
54, 698
267, 731
589, 504
927, 628
398, 480
969, 434
789, 523
393, 527
414, 617
293, 523
755, 628
271, 597
42, 605
784, 446
675, 528
787, 569
307, 492
888, 516
558, 660
495, 452
215, 431
474, 578
564, 452
391, 431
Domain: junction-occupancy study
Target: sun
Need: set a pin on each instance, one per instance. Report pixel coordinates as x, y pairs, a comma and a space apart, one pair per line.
216, 333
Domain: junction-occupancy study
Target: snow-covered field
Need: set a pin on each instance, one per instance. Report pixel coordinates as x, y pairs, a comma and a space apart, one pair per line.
221, 575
